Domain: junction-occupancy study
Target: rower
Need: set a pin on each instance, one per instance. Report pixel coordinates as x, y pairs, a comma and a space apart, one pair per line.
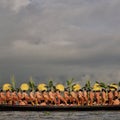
67, 97
8, 96
85, 96
91, 97
33, 100
14, 97
118, 94
60, 98
19, 94
22, 102
52, 96
74, 96
97, 96
116, 101
38, 96
3, 97
115, 93
81, 97
25, 96
46, 97
103, 95
110, 97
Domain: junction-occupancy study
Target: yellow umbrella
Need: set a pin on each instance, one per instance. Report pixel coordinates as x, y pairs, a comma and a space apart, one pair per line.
76, 87
6, 86
42, 87
96, 87
60, 87
113, 86
24, 86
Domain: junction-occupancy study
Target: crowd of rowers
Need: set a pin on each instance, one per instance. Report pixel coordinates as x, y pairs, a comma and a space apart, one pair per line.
43, 98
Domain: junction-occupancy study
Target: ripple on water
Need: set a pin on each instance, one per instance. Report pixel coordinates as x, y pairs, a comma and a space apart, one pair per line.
98, 115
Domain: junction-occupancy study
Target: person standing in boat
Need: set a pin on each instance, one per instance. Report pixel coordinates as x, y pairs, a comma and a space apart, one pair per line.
115, 93
2, 97
42, 98
91, 97
20, 95
85, 96
33, 98
81, 97
97, 96
46, 97
52, 96
67, 96
60, 98
14, 97
38, 96
8, 97
118, 94
74, 95
110, 97
26, 97
103, 96
22, 102
116, 101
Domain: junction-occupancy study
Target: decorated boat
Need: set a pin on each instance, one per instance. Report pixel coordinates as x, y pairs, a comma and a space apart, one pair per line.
50, 97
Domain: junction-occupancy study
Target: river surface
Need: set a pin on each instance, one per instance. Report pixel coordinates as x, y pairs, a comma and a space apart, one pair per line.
97, 115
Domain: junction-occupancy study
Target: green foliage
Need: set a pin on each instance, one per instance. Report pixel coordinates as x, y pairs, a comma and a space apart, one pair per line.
70, 84
119, 84
97, 82
102, 84
31, 84
87, 86
13, 84
51, 86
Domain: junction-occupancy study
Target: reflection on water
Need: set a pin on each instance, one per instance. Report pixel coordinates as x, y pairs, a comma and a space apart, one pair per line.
100, 115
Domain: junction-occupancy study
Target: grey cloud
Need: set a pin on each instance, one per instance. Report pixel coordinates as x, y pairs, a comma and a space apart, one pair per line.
14, 5
60, 38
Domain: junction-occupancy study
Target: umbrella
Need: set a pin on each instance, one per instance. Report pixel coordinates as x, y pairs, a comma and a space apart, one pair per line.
6, 87
60, 87
76, 87
24, 86
42, 87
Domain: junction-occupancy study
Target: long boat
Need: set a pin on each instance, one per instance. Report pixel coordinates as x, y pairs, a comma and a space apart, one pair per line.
59, 108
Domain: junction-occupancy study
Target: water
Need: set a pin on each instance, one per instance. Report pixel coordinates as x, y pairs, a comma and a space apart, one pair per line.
100, 115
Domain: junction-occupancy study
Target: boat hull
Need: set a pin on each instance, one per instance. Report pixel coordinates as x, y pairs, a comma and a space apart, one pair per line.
58, 108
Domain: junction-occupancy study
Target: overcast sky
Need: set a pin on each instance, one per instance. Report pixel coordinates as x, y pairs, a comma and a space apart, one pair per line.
60, 39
